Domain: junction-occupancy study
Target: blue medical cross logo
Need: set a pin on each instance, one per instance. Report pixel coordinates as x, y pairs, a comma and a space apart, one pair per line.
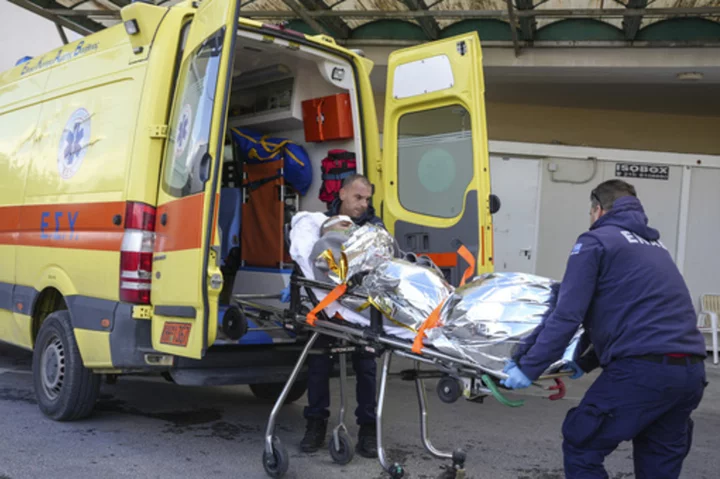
183, 129
73, 141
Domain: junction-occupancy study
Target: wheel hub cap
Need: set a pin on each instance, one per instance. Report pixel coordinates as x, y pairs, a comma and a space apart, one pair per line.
53, 367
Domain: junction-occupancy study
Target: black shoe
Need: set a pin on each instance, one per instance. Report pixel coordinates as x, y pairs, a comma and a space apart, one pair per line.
367, 441
315, 432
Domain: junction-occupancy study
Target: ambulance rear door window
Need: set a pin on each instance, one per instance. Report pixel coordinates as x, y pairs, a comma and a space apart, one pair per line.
187, 143
435, 161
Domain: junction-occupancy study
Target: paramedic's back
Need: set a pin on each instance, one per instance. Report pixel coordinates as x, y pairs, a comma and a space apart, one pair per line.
623, 286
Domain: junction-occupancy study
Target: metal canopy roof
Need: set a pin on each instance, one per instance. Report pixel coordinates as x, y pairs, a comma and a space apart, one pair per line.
536, 22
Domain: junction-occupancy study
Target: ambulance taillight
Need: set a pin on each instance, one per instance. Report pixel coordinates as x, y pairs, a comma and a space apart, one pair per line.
136, 253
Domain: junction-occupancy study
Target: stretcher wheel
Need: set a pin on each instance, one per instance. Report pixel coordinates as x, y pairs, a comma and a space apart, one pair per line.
277, 463
234, 323
396, 471
458, 458
346, 452
449, 389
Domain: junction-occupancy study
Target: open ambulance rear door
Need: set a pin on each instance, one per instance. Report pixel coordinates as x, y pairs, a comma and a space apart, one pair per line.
435, 153
186, 278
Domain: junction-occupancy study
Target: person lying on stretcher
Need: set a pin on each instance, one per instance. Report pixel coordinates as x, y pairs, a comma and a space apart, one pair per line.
336, 231
484, 321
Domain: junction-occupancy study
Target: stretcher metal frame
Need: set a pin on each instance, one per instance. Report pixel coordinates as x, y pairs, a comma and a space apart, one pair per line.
479, 382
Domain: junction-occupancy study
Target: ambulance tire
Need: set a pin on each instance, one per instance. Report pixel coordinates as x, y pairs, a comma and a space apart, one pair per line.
65, 389
271, 391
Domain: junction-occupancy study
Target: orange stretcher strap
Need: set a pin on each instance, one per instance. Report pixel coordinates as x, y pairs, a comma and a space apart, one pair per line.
431, 322
470, 259
332, 296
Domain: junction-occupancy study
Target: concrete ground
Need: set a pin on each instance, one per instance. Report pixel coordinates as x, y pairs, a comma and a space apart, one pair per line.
148, 428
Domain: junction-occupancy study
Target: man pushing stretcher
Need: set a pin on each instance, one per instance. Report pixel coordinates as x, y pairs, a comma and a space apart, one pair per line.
622, 285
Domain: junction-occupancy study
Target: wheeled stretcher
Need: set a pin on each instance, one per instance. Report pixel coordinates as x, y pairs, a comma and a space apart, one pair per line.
457, 376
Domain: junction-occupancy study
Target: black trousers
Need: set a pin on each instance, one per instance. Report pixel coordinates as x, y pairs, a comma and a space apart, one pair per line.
319, 368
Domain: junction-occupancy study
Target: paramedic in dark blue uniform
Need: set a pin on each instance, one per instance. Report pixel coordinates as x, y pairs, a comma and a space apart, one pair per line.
622, 284
353, 201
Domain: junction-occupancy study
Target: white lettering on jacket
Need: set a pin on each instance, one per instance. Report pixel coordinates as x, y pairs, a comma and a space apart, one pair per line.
635, 239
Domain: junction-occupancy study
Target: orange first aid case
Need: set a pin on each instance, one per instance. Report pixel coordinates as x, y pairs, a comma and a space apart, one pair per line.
328, 118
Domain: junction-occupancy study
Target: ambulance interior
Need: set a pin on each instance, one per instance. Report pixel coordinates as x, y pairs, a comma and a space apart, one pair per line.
273, 84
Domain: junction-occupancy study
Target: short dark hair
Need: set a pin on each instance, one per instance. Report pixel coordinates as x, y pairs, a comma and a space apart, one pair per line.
606, 193
356, 177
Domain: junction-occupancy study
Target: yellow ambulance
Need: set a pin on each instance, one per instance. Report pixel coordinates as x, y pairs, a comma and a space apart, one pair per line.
122, 189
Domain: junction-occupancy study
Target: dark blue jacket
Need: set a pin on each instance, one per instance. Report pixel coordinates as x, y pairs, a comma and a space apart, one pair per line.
622, 284
367, 217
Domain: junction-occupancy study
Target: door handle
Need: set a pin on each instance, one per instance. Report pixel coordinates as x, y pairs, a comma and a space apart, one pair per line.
163, 219
418, 242
216, 251
204, 172
410, 242
494, 204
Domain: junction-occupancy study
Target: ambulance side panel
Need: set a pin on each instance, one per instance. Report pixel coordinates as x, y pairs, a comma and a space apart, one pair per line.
84, 137
71, 223
19, 139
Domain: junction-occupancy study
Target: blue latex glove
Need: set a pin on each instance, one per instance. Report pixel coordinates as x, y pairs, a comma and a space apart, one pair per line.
285, 295
572, 365
516, 378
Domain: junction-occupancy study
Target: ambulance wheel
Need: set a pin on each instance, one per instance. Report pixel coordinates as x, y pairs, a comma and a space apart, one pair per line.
449, 389
271, 391
277, 463
346, 452
65, 389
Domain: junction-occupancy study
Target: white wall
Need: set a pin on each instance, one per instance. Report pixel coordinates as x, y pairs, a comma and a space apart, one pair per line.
564, 206
26, 34
703, 233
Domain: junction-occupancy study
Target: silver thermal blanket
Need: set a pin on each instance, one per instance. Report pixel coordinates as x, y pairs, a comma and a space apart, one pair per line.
484, 321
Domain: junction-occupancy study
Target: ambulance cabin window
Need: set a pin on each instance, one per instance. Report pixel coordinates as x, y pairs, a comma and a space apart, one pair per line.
435, 161
192, 117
